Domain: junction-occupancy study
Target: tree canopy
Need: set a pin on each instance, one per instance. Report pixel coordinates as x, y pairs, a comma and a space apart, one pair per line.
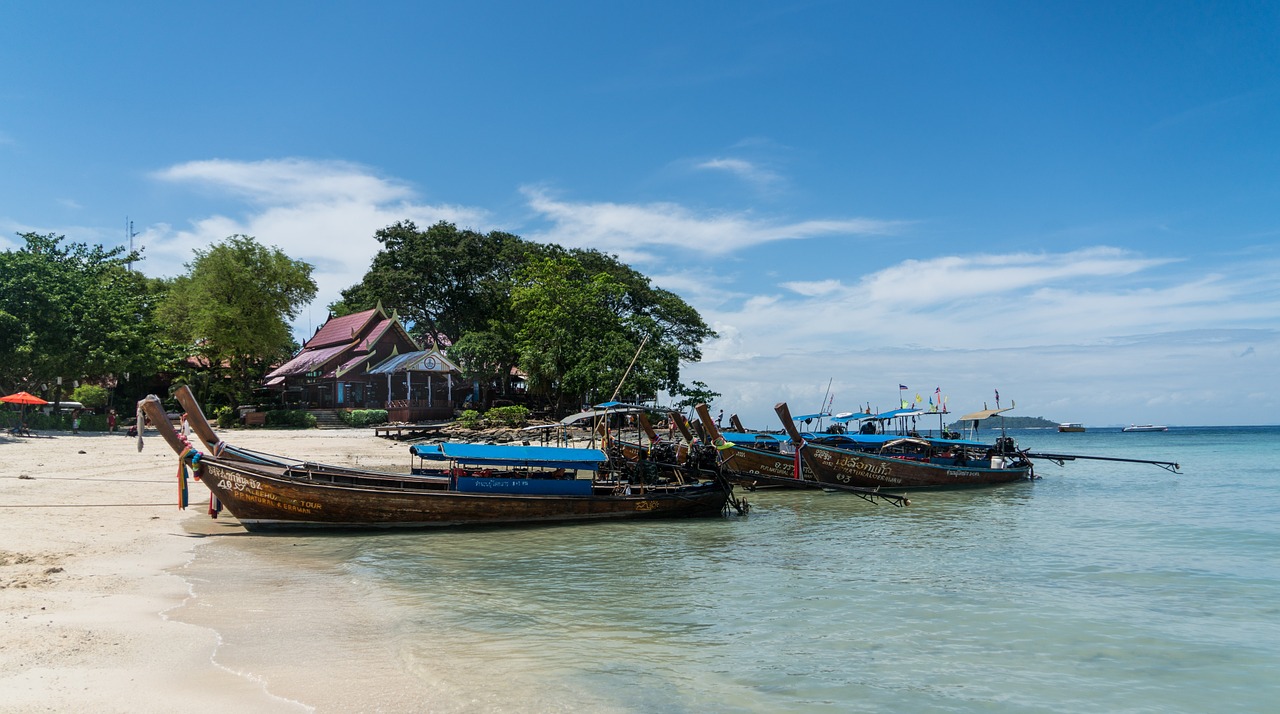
73, 311
234, 307
570, 319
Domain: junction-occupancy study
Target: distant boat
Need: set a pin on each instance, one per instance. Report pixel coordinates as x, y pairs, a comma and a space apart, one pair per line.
1145, 427
1071, 426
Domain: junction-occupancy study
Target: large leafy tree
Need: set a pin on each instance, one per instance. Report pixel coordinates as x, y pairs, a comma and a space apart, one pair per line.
570, 335
444, 281
234, 306
75, 311
571, 319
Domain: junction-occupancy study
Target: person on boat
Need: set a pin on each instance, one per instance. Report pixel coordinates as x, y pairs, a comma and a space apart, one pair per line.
868, 427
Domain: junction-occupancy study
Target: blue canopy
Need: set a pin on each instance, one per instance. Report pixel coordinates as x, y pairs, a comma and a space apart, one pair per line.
878, 440
552, 457
734, 437
895, 413
806, 417
848, 417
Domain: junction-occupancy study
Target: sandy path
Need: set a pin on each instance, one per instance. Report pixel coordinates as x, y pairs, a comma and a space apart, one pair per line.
89, 535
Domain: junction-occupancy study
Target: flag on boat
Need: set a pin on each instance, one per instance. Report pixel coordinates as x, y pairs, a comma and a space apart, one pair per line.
902, 386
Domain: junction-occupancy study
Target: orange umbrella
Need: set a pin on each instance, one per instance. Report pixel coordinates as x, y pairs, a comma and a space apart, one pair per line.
23, 398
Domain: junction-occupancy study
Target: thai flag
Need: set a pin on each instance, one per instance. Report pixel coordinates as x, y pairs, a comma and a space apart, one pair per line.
902, 386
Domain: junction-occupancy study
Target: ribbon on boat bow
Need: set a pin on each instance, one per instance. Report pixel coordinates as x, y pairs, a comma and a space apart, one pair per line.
192, 456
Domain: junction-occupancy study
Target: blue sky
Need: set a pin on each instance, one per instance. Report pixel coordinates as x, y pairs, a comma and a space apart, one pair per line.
1075, 203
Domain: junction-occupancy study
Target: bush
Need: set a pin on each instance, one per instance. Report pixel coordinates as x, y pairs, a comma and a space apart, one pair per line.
363, 417
291, 417
225, 416
512, 416
90, 395
469, 419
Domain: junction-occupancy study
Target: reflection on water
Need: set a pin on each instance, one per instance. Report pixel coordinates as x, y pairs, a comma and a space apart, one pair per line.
1099, 587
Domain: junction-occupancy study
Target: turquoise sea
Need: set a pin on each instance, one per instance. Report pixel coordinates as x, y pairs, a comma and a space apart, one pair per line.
1100, 587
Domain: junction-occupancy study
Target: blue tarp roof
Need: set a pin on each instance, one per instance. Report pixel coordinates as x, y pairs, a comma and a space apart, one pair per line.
878, 440
805, 417
507, 455
895, 413
734, 437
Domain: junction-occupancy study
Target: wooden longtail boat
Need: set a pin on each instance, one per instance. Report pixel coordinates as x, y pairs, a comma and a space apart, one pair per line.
904, 462
756, 460
269, 492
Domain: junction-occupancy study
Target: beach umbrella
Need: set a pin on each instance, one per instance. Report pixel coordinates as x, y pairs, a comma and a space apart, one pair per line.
23, 398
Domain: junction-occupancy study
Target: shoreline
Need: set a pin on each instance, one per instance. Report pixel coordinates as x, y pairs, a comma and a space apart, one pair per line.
92, 574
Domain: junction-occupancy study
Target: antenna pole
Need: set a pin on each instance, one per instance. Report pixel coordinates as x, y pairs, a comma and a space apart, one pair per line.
129, 233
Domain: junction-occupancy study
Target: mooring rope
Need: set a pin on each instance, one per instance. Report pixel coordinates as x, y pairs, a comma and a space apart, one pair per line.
84, 505
81, 478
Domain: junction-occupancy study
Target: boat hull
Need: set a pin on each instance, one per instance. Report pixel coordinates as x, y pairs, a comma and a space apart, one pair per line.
754, 467
839, 466
267, 498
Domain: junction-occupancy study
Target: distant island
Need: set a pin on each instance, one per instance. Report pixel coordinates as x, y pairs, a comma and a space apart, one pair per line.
1011, 423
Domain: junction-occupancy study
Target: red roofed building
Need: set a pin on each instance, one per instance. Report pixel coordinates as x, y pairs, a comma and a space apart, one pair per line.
331, 370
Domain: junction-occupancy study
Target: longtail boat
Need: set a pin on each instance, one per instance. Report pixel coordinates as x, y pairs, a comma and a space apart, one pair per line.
909, 462
495, 485
758, 460
905, 462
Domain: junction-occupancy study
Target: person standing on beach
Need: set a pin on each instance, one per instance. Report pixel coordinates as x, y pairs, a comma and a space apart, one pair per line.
111, 421
75, 422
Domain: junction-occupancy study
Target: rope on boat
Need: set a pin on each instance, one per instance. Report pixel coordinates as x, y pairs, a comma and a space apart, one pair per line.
80, 478
83, 505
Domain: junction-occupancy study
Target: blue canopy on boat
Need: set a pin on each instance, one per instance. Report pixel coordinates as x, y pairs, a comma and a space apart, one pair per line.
895, 413
735, 437
553, 457
850, 416
807, 417
878, 440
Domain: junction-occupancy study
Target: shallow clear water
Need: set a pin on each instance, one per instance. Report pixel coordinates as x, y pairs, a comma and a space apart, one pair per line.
1099, 587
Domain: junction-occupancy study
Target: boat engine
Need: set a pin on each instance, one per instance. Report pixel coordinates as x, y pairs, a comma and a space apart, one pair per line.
1006, 445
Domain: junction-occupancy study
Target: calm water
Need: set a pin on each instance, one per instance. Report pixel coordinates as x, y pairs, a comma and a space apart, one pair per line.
1099, 587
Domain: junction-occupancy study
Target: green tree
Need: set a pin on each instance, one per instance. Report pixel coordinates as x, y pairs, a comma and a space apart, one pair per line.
234, 306
692, 396
445, 282
573, 342
488, 357
90, 395
489, 294
74, 311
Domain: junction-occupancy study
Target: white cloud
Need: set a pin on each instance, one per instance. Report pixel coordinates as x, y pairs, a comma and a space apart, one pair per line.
289, 181
758, 176
1120, 382
1045, 325
324, 213
631, 230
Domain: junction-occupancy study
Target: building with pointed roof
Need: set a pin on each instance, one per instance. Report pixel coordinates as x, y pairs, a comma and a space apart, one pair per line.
335, 369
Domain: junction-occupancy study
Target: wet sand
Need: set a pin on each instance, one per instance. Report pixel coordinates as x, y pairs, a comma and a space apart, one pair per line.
91, 550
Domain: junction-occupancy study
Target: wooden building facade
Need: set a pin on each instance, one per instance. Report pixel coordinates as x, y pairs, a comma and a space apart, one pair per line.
335, 370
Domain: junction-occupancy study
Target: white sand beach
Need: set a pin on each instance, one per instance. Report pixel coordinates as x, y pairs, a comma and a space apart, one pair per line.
90, 540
